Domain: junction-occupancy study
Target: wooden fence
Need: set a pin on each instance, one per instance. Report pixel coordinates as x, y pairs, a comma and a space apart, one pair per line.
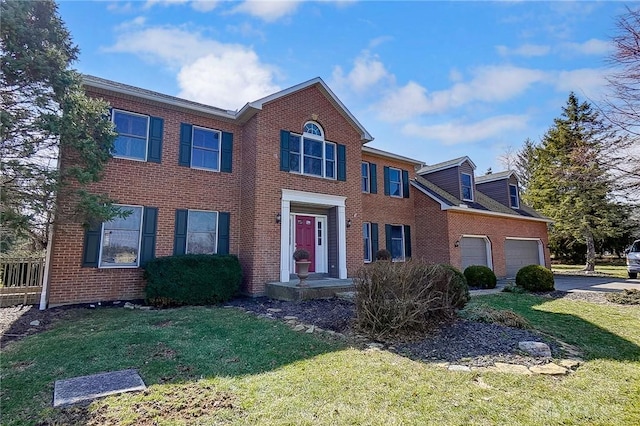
20, 280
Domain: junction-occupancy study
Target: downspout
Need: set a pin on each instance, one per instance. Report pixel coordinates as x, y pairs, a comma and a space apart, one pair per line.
44, 296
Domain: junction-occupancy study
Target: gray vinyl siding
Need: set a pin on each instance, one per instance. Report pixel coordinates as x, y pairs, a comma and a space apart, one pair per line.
498, 190
448, 180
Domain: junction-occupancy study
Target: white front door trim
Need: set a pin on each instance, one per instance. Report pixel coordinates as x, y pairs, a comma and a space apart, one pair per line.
325, 200
322, 251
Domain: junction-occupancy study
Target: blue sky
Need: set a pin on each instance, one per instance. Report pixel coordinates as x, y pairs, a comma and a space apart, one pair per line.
429, 80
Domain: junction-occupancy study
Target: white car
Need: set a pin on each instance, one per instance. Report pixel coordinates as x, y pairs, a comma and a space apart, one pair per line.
633, 259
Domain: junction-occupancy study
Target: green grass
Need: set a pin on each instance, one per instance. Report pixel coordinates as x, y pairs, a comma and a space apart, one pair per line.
220, 366
617, 271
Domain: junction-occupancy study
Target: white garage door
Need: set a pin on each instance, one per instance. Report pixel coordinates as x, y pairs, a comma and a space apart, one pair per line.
519, 253
474, 251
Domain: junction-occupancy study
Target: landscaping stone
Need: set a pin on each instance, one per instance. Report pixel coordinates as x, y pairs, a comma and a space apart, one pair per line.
502, 367
570, 363
274, 310
550, 369
310, 329
86, 388
129, 305
456, 367
35, 323
374, 345
299, 327
537, 349
289, 317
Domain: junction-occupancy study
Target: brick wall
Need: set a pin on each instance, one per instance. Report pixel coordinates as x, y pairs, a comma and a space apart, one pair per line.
432, 224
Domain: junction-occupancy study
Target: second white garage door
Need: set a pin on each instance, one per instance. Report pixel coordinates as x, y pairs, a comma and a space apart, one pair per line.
519, 253
473, 251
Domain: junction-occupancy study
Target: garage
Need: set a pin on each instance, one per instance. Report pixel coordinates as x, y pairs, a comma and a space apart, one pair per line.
519, 253
475, 251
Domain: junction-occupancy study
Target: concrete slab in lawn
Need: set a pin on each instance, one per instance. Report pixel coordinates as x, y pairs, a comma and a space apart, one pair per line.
86, 388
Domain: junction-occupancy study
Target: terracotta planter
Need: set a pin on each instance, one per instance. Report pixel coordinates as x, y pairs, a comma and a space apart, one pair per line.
302, 270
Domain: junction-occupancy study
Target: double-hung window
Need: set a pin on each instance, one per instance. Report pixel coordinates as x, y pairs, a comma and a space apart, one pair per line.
395, 182
513, 196
310, 154
397, 243
120, 246
133, 131
205, 149
366, 182
467, 187
366, 239
202, 230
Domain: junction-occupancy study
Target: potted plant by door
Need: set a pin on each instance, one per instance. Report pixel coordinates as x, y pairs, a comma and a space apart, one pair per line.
301, 256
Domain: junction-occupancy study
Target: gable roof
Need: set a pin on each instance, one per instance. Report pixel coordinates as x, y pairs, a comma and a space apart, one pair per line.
381, 153
242, 115
456, 162
325, 90
495, 176
483, 204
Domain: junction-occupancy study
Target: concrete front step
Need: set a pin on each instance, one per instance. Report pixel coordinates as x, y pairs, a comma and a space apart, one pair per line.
316, 289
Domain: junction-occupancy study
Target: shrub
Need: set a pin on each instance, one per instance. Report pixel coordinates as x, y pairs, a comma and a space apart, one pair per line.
458, 288
301, 254
192, 279
489, 315
383, 254
625, 297
480, 276
535, 278
403, 298
516, 289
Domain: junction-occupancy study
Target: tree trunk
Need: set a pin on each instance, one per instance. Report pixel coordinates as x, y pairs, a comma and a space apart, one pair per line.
591, 252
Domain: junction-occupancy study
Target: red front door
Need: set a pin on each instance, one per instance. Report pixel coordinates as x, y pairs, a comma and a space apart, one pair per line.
306, 237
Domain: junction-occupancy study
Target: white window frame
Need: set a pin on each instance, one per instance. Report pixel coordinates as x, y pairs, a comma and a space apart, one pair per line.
366, 175
404, 255
367, 226
399, 183
146, 143
193, 129
517, 197
317, 138
215, 240
124, 265
462, 186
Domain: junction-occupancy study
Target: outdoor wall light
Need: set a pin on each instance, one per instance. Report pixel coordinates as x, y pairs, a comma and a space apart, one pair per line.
348, 223
278, 218
457, 243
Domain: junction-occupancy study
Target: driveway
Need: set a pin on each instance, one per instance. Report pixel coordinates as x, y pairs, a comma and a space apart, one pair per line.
603, 284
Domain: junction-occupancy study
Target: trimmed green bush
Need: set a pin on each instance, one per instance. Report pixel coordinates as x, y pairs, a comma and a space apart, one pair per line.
400, 299
458, 287
480, 276
192, 279
535, 278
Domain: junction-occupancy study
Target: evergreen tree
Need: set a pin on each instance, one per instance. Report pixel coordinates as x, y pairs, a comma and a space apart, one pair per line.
45, 112
569, 178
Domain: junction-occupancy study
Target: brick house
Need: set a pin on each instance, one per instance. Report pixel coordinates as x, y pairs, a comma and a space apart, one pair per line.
289, 170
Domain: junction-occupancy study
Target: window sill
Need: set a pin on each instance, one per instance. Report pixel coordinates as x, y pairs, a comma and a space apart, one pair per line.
140, 160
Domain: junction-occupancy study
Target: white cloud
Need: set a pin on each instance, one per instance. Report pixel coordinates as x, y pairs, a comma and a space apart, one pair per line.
367, 71
489, 84
150, 3
589, 47
526, 50
204, 5
223, 75
588, 81
268, 10
452, 133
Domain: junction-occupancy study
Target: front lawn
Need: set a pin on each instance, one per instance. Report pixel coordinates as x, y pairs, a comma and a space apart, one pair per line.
219, 365
608, 269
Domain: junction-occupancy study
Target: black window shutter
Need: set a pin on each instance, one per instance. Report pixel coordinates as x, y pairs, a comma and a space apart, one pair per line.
155, 140
407, 241
284, 150
223, 233
374, 240
405, 184
387, 236
149, 225
387, 186
180, 234
91, 249
185, 144
227, 152
373, 179
342, 162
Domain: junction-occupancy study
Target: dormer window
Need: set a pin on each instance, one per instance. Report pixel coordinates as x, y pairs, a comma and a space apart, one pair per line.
467, 186
513, 197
